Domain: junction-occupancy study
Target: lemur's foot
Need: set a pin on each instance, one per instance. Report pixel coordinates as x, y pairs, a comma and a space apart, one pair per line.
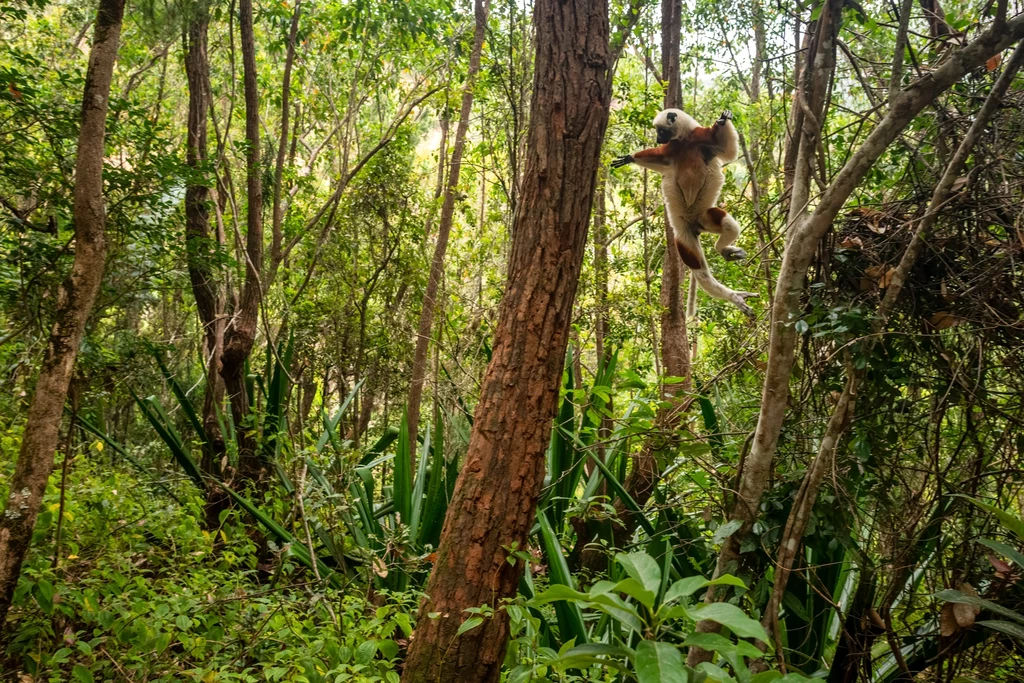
726, 116
734, 254
622, 161
739, 298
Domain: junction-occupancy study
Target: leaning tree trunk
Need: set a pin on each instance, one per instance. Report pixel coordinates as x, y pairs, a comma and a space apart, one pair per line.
75, 301
803, 503
241, 331
494, 504
200, 250
419, 362
806, 232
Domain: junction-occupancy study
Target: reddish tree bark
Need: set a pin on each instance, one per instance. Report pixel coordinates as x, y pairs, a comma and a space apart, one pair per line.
419, 361
494, 503
75, 301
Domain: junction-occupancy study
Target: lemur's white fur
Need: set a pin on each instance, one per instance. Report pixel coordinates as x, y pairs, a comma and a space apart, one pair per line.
690, 163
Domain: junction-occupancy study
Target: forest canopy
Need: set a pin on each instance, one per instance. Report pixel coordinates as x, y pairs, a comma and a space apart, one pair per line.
353, 341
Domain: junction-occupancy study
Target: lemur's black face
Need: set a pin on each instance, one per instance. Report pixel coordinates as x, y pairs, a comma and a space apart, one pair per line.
666, 133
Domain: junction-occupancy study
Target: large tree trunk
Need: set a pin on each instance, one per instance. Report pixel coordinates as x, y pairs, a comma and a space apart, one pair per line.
805, 233
241, 332
77, 296
201, 247
494, 503
419, 361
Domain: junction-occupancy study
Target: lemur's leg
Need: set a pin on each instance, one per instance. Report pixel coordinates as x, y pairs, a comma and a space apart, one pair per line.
719, 222
692, 255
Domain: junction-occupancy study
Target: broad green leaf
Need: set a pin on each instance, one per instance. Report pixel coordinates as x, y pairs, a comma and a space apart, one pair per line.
634, 589
732, 617
583, 656
82, 674
684, 588
643, 568
725, 531
658, 662
469, 625
716, 642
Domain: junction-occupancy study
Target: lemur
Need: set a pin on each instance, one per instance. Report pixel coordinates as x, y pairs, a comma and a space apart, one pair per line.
690, 161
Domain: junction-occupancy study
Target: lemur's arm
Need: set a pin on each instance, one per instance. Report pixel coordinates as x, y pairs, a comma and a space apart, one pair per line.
720, 140
655, 158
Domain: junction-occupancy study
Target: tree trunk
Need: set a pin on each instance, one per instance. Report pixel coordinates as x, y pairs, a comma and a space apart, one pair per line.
494, 504
675, 354
241, 331
75, 301
419, 362
806, 496
200, 248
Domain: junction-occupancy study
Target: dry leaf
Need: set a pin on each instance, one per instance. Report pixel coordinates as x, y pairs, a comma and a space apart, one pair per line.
887, 278
875, 225
943, 320
851, 243
1002, 567
875, 271
994, 61
947, 622
379, 568
958, 184
965, 614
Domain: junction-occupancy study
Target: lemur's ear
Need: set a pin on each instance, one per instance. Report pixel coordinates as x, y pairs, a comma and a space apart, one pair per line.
671, 117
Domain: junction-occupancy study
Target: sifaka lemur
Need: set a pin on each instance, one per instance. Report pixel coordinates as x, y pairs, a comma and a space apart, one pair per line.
690, 161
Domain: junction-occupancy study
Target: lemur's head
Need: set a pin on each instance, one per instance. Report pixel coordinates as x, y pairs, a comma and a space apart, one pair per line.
673, 124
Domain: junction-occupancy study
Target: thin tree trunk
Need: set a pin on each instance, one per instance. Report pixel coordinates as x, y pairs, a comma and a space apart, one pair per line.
75, 301
200, 248
241, 332
419, 361
806, 231
675, 349
494, 504
278, 211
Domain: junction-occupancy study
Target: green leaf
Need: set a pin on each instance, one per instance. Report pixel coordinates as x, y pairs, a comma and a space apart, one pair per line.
469, 625
643, 568
732, 617
366, 652
684, 588
403, 473
659, 663
950, 595
82, 674
570, 619
1004, 550
1010, 521
1006, 627
725, 531
716, 642
635, 589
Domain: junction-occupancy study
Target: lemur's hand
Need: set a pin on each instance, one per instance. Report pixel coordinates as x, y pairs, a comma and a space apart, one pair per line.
726, 116
618, 162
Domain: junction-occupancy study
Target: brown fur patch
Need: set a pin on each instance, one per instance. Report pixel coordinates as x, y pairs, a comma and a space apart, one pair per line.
716, 215
691, 259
